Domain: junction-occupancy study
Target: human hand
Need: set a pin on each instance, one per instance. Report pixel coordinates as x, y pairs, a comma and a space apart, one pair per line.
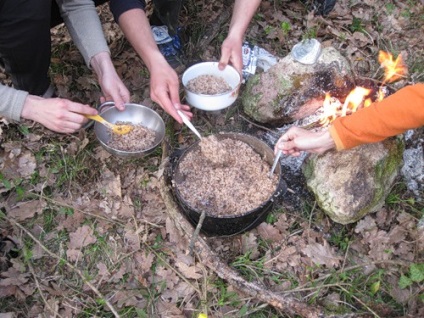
58, 114
296, 140
231, 53
112, 86
164, 90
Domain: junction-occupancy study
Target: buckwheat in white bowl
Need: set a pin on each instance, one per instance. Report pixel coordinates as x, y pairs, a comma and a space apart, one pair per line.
209, 88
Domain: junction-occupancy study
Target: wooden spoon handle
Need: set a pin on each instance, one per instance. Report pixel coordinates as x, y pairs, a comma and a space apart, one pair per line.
100, 119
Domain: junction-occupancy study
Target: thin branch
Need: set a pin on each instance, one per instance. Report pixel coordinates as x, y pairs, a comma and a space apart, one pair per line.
197, 231
93, 288
31, 269
360, 301
173, 269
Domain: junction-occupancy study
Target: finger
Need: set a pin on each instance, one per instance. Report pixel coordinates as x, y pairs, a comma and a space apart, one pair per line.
125, 94
81, 108
286, 137
185, 107
119, 102
225, 57
164, 101
188, 114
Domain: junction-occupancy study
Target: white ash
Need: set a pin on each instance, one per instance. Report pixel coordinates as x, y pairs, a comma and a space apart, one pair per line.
208, 85
138, 139
229, 187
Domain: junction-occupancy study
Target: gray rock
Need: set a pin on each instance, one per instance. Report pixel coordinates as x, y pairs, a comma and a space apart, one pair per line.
350, 184
413, 157
290, 90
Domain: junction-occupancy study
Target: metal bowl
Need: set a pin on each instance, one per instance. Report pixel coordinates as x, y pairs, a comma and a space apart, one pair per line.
212, 102
135, 114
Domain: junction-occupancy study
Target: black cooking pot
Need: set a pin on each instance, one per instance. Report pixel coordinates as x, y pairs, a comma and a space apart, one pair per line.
229, 225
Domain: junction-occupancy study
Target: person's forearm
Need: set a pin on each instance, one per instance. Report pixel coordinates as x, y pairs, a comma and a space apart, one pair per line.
242, 15
84, 26
392, 116
136, 28
102, 64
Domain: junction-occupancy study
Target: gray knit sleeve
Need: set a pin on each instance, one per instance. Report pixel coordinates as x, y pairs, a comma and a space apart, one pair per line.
84, 26
12, 102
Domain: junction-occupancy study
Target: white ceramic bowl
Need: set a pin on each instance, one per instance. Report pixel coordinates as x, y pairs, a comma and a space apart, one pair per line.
212, 102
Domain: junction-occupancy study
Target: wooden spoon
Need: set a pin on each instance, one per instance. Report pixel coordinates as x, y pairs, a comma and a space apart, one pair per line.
117, 129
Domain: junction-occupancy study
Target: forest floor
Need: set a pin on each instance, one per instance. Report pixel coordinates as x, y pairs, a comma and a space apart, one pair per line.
87, 234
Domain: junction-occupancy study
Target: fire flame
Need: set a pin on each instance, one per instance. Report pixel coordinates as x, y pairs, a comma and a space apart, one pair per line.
393, 69
332, 108
354, 99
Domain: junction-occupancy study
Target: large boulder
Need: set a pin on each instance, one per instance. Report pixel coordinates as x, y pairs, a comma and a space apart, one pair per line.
290, 90
352, 183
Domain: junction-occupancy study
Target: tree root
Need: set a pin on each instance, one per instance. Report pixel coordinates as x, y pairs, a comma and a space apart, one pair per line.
211, 260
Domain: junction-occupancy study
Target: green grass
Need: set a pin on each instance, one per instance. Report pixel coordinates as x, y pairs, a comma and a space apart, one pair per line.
357, 25
341, 239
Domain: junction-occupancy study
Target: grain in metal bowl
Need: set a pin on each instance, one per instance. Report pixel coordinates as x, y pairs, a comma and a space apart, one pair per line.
135, 114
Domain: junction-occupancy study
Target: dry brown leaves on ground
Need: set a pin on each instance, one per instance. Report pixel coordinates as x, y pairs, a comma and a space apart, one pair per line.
85, 234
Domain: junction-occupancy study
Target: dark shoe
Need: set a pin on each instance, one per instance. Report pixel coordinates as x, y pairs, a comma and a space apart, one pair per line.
169, 46
320, 7
324, 7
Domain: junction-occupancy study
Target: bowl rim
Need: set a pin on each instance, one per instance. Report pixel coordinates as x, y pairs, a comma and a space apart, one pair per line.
213, 63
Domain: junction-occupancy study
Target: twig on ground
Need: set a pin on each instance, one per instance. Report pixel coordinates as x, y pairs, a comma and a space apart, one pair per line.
173, 269
197, 231
360, 301
257, 125
54, 312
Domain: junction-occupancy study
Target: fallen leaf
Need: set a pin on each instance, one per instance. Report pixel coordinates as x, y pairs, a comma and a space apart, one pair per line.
269, 232
322, 254
250, 245
82, 237
103, 271
27, 164
26, 210
73, 255
188, 271
126, 209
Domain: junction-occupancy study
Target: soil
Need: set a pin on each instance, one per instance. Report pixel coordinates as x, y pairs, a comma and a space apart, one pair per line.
225, 178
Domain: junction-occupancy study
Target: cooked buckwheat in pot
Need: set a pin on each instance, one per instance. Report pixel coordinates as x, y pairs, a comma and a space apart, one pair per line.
225, 177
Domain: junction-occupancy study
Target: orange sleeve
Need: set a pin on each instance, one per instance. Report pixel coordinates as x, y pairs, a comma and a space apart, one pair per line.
392, 116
